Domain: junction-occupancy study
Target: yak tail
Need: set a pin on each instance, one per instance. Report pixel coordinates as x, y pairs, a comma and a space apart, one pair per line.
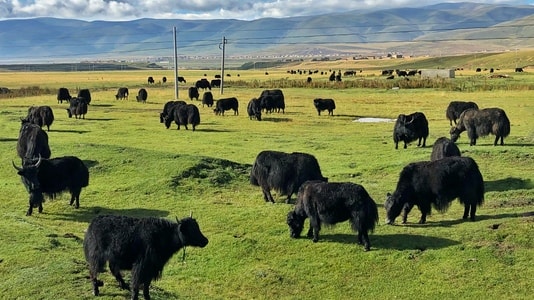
366, 218
253, 179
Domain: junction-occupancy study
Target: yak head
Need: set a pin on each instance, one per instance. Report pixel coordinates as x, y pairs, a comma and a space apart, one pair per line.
455, 133
29, 172
394, 204
296, 224
190, 234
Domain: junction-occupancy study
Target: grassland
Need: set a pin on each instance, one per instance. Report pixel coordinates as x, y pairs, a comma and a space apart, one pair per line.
139, 168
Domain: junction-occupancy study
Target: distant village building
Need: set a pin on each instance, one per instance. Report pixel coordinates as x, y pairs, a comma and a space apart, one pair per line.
438, 73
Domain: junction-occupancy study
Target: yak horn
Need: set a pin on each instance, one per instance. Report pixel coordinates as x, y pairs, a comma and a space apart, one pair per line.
18, 169
191, 214
38, 161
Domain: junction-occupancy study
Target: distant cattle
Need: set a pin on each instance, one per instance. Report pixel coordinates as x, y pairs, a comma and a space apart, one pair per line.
283, 172
254, 109
207, 99
142, 95
225, 104
150, 80
51, 177
217, 76
40, 115
390, 77
32, 142
331, 203
122, 93
215, 83
387, 72
272, 100
518, 70
181, 79
184, 115
308, 80
142, 245
401, 73
203, 84
480, 123
164, 79
444, 147
455, 109
86, 95
63, 95
478, 70
166, 113
324, 104
409, 128
193, 92
77, 107
436, 183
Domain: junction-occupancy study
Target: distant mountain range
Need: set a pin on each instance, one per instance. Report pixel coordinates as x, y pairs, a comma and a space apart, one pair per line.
441, 29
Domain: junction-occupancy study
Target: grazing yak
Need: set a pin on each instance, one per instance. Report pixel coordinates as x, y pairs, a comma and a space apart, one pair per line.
164, 79
32, 143
193, 93
436, 183
63, 95
183, 115
272, 100
331, 203
203, 84
254, 109
215, 83
456, 108
85, 94
409, 128
324, 104
150, 80
283, 172
207, 99
142, 95
122, 93
482, 122
77, 107
444, 147
181, 79
225, 104
40, 116
142, 245
52, 177
166, 113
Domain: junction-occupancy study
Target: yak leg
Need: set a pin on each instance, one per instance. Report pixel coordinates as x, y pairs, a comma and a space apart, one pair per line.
424, 142
363, 239
502, 140
396, 145
146, 288
405, 145
30, 210
115, 270
470, 211
405, 211
267, 195
315, 227
75, 198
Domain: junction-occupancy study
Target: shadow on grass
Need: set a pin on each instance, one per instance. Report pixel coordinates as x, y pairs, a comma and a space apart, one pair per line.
100, 119
393, 241
449, 223
71, 131
276, 120
507, 184
101, 105
8, 139
86, 214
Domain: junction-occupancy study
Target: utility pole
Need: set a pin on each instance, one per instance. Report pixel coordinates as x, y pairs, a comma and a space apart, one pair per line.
222, 46
175, 66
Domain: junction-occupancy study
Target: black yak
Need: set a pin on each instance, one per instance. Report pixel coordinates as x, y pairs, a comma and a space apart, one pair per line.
86, 95
482, 122
63, 95
142, 95
254, 109
456, 108
166, 113
331, 203
207, 99
181, 79
444, 147
122, 93
272, 100
142, 245
150, 80
32, 142
193, 93
226, 104
215, 83
324, 104
53, 176
40, 115
203, 84
436, 183
409, 128
283, 172
183, 115
77, 107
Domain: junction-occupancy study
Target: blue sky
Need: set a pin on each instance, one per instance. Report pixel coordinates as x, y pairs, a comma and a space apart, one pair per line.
116, 10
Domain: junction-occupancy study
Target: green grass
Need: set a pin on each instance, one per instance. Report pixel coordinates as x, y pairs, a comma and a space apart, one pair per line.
139, 168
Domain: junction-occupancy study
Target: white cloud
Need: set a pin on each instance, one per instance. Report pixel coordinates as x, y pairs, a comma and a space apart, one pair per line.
199, 9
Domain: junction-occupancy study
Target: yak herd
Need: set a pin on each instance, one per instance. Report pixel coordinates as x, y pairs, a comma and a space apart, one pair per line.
144, 245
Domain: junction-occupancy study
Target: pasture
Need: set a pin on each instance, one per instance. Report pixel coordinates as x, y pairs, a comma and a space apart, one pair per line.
139, 168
